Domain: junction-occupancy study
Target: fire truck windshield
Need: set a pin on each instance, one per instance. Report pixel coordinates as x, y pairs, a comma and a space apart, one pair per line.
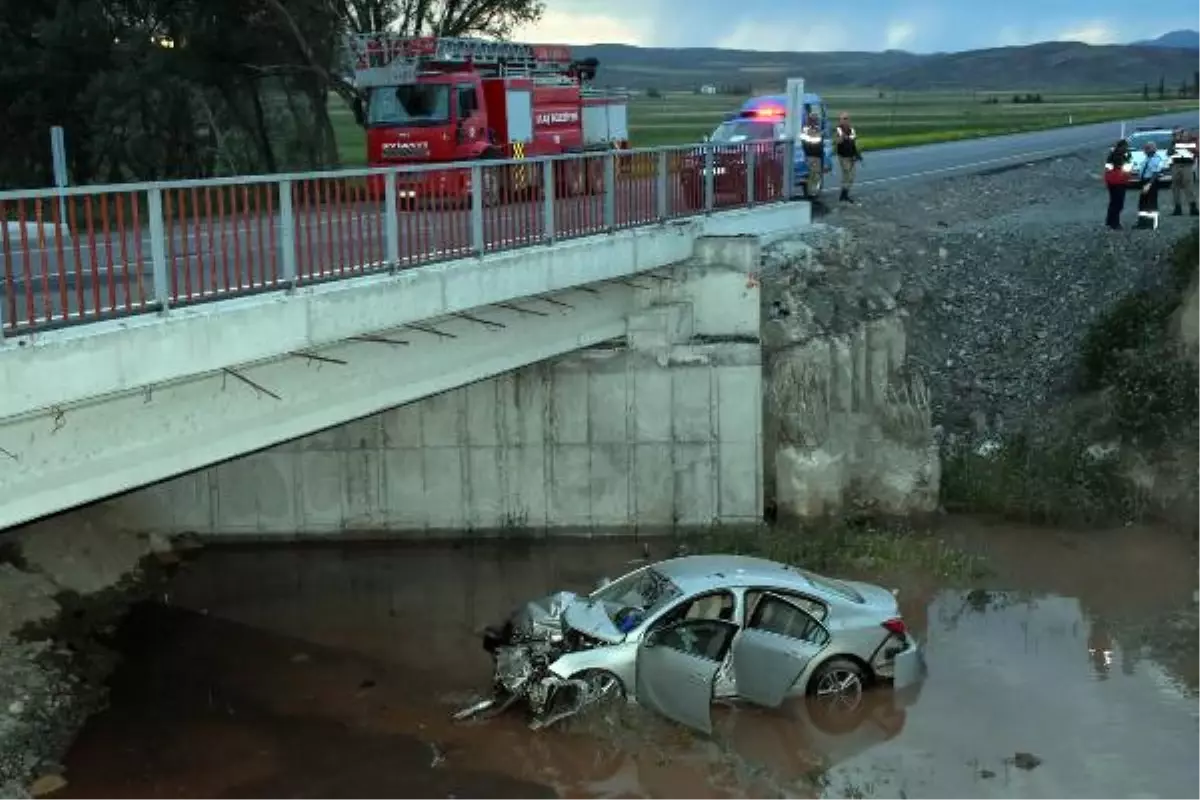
746, 130
411, 105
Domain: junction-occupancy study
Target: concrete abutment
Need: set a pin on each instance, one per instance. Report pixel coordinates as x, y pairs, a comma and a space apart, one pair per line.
656, 428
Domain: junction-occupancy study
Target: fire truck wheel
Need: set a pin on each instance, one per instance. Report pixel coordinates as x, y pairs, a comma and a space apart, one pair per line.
570, 178
491, 187
595, 176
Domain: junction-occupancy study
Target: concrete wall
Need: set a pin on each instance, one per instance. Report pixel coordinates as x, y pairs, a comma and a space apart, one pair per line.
90, 411
660, 427
597, 440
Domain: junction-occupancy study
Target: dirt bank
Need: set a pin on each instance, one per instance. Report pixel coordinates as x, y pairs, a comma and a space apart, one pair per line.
64, 583
1002, 273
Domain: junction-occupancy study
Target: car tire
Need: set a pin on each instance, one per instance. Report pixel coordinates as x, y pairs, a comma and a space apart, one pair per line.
839, 683
606, 685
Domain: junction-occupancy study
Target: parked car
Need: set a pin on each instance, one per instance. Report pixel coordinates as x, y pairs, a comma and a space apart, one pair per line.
678, 634
1137, 156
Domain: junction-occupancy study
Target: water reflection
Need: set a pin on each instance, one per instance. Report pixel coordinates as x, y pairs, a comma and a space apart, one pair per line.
332, 671
1032, 675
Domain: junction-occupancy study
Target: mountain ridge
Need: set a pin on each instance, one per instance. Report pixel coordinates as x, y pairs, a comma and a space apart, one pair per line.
1041, 66
1183, 39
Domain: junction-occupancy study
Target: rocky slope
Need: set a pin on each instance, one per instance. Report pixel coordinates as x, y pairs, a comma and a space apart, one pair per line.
1002, 274
63, 583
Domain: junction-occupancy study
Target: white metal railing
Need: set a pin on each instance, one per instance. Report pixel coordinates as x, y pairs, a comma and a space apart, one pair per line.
80, 254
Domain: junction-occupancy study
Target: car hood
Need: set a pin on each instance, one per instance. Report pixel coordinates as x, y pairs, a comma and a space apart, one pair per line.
543, 616
591, 619
548, 615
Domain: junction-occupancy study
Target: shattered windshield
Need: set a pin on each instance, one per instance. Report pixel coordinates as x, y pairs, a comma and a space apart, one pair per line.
647, 589
412, 104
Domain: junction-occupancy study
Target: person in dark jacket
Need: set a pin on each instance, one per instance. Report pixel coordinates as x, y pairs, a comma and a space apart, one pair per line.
1182, 156
812, 143
1117, 170
845, 144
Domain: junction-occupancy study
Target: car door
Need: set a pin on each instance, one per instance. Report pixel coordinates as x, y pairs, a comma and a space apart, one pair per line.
677, 665
777, 644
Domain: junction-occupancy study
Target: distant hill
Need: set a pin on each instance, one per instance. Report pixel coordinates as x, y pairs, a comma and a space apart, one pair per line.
1182, 40
1046, 66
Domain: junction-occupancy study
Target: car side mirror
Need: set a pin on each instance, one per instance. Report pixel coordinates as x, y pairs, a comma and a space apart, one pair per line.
651, 638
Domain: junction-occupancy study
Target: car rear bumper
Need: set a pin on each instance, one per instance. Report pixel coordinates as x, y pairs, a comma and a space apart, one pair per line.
909, 671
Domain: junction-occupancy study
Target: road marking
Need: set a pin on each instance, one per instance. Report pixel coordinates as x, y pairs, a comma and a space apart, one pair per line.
989, 161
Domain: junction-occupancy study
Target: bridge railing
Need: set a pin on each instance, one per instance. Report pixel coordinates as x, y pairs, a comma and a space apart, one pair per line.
85, 254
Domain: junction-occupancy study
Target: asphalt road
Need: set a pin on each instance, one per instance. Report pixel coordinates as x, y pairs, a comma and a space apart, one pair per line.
113, 276
928, 162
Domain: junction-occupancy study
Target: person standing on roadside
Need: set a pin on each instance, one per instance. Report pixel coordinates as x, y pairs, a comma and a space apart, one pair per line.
1116, 177
845, 144
1148, 187
1182, 156
812, 143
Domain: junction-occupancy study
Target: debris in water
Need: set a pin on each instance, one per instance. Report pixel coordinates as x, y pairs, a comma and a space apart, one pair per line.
47, 784
1026, 761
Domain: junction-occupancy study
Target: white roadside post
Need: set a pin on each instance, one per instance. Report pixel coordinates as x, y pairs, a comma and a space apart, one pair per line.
792, 124
58, 156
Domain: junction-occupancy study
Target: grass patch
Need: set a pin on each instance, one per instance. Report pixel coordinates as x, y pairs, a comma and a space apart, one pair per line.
840, 547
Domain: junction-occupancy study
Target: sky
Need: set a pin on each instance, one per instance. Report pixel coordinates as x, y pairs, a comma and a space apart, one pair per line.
920, 26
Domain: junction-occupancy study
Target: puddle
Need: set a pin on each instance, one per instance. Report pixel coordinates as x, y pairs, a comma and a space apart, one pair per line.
331, 671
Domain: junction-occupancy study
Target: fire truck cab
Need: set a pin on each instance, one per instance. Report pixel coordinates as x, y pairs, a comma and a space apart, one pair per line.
434, 100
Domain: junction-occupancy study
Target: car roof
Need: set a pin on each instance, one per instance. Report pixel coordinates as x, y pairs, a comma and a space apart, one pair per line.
696, 573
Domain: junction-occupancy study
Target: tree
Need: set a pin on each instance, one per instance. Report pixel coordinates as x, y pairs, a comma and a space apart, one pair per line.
494, 19
1145, 91
1162, 87
162, 89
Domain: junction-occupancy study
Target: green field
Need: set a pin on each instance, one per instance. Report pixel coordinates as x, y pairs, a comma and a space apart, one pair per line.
894, 120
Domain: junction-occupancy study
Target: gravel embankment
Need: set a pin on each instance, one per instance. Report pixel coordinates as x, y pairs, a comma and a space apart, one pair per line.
1002, 274
64, 584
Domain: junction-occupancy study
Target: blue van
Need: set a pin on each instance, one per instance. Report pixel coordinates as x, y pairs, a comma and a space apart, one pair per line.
761, 119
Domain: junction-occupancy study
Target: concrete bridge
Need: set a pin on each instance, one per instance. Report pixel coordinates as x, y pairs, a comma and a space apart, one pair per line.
205, 328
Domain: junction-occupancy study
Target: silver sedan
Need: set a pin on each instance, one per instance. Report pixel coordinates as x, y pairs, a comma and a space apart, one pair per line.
677, 634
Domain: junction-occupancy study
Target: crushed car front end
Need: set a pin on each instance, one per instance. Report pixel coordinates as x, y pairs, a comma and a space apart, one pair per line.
540, 658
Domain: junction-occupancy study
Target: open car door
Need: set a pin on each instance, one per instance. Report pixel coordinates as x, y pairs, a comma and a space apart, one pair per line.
676, 668
779, 641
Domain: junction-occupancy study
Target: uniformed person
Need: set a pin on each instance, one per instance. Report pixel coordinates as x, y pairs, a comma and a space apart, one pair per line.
845, 144
812, 142
1148, 183
1182, 156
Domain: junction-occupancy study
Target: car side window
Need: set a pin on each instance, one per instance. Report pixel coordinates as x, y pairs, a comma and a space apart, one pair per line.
717, 605
705, 638
816, 610
776, 615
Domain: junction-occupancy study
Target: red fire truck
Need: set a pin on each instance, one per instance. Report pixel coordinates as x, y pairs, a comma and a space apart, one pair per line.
432, 100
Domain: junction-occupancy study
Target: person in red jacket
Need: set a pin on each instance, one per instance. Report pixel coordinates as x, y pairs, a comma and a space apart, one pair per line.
1117, 169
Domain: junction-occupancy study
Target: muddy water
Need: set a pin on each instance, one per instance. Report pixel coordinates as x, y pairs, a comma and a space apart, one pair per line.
326, 671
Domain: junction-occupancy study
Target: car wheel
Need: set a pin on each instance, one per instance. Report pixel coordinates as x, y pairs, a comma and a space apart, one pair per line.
839, 684
604, 688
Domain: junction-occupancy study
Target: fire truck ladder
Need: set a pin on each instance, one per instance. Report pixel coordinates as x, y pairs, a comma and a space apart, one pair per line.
378, 50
